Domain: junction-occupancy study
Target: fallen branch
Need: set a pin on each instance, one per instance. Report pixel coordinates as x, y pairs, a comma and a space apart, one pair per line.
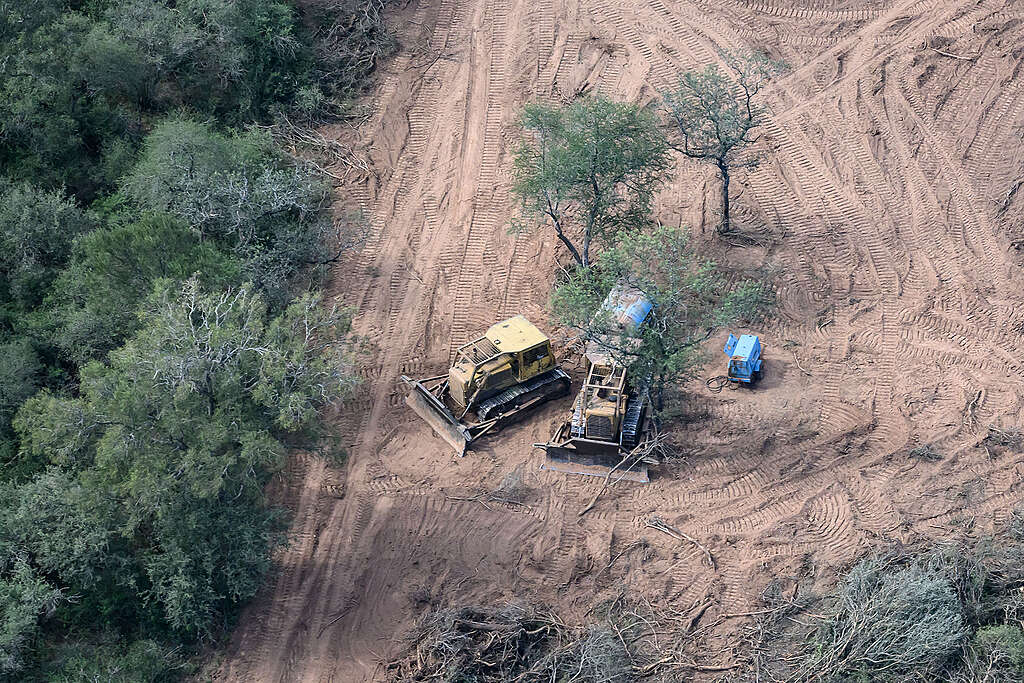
333, 621
622, 552
641, 451
659, 525
971, 410
644, 670
797, 360
1010, 194
607, 480
950, 54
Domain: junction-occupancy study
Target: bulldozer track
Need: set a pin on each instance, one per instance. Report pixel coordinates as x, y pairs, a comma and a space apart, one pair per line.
886, 166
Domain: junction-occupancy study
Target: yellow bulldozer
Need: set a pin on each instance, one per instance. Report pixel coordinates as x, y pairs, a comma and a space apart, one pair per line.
493, 382
609, 419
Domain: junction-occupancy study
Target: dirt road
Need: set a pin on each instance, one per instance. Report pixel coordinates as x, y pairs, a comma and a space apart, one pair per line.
890, 199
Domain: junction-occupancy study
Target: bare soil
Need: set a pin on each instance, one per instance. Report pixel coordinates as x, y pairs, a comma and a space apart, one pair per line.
889, 205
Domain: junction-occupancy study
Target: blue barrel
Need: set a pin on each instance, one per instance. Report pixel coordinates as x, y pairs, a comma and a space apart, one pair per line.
628, 306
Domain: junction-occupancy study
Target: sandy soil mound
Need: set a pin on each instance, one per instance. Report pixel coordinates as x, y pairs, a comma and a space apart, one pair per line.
892, 198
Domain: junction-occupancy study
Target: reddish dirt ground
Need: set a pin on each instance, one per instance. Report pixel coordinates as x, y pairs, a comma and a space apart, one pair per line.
890, 190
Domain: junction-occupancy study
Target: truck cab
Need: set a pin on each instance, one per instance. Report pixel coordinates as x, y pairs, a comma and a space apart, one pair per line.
744, 358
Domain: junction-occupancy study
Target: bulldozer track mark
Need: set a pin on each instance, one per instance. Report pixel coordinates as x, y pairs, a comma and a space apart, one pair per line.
544, 18
568, 58
1010, 116
883, 194
830, 519
661, 75
484, 219
860, 54
810, 12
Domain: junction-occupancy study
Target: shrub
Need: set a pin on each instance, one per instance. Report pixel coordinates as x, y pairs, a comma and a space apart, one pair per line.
889, 620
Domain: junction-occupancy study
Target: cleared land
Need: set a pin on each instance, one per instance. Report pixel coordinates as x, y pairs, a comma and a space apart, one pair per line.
892, 203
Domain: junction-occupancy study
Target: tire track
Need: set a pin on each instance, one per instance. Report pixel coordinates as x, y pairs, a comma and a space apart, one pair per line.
468, 320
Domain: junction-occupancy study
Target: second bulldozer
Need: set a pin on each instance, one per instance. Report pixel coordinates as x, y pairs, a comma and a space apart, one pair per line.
495, 379
608, 421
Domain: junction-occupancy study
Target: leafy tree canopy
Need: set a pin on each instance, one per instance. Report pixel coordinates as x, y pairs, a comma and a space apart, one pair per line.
239, 192
37, 229
154, 475
590, 169
689, 294
96, 297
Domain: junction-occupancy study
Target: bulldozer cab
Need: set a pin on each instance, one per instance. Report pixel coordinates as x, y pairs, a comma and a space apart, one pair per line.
529, 350
511, 351
604, 400
534, 361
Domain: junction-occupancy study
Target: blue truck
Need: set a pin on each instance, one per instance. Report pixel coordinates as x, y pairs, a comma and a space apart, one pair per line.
744, 358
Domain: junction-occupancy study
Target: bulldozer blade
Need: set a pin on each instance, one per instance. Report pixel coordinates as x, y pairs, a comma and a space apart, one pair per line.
570, 461
435, 414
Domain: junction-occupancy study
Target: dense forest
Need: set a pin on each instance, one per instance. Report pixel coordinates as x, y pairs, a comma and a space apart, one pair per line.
163, 340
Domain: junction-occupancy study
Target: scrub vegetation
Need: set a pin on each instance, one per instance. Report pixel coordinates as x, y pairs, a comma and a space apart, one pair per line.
163, 339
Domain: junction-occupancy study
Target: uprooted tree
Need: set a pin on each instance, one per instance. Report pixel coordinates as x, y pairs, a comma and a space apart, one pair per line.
713, 113
589, 169
689, 295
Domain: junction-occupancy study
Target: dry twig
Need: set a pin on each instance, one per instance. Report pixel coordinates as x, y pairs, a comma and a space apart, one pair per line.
659, 525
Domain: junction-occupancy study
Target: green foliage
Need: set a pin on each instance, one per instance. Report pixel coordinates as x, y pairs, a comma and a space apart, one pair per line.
154, 483
746, 302
53, 517
591, 169
237, 191
19, 378
111, 270
888, 622
110, 660
950, 613
688, 294
714, 112
46, 120
37, 229
74, 83
1003, 642
238, 60
18, 16
146, 392
24, 597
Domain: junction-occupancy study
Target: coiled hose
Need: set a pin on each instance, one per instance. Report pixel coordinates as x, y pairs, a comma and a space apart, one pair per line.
716, 384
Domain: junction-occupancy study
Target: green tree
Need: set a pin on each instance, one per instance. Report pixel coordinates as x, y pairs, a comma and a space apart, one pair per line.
713, 113
239, 192
20, 16
238, 59
74, 84
96, 298
689, 296
37, 229
24, 598
181, 430
590, 169
20, 369
110, 659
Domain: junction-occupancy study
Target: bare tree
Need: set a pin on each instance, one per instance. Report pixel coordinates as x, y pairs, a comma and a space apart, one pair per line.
713, 114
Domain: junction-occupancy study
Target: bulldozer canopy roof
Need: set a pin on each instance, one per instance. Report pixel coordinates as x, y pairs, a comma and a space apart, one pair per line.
515, 335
